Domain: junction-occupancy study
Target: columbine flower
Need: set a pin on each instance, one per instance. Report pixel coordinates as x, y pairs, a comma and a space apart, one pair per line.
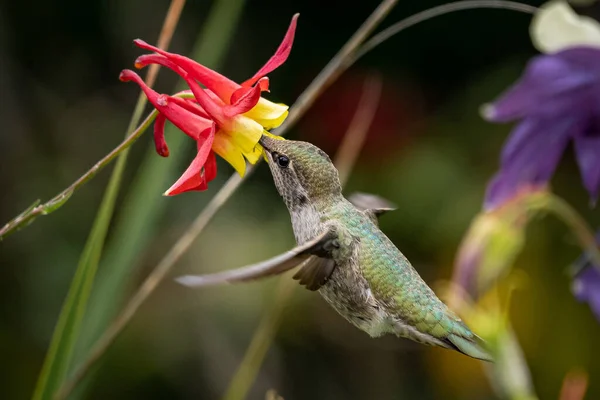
586, 283
557, 101
226, 118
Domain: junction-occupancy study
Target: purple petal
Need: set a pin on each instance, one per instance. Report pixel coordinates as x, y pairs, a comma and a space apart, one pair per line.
468, 260
586, 288
587, 150
529, 157
554, 83
523, 134
584, 58
500, 189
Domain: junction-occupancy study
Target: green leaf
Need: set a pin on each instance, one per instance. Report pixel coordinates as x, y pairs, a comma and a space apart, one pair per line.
29, 209
58, 359
55, 204
20, 221
65, 335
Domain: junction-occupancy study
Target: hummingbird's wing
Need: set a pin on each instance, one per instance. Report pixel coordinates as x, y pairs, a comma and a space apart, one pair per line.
308, 255
370, 204
315, 272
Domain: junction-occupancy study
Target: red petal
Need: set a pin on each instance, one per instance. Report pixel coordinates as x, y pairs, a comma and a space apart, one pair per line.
159, 136
210, 167
282, 53
245, 103
147, 59
190, 105
215, 111
190, 123
262, 82
193, 179
210, 108
214, 81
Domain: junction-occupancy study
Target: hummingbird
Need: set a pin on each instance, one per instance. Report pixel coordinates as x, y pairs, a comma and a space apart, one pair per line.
342, 254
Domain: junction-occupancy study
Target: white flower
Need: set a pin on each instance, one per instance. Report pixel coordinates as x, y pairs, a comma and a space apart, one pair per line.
557, 27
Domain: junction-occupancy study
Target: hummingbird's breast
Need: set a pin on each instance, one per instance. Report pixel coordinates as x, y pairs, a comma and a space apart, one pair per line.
306, 222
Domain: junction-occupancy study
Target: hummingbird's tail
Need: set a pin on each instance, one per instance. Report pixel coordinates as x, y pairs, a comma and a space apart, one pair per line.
472, 346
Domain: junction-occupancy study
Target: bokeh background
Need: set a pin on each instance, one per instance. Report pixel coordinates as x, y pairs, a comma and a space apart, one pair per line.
63, 108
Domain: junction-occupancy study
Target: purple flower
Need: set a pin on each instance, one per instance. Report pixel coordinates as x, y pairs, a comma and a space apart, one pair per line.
557, 100
586, 285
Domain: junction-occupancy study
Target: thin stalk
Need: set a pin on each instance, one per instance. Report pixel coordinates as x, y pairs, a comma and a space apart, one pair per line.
583, 232
338, 64
433, 12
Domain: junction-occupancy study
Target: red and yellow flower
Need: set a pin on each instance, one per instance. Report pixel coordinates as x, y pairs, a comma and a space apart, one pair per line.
224, 117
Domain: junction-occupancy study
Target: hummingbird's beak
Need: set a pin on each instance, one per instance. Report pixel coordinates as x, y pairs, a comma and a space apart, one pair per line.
264, 142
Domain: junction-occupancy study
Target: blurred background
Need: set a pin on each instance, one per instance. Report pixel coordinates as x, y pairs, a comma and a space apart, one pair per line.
428, 151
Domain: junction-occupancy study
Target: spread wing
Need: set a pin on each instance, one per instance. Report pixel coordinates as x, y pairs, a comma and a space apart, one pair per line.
372, 205
312, 256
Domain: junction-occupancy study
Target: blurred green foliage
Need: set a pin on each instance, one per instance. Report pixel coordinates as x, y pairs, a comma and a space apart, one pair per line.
429, 152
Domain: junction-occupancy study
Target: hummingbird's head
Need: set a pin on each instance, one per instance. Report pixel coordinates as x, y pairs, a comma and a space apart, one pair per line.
302, 172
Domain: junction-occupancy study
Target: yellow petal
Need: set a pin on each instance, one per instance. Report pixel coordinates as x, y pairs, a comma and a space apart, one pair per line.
268, 114
273, 123
254, 155
245, 133
223, 146
557, 27
269, 134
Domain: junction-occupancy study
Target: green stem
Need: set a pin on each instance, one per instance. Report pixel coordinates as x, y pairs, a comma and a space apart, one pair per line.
433, 12
567, 214
28, 215
61, 348
261, 341
509, 373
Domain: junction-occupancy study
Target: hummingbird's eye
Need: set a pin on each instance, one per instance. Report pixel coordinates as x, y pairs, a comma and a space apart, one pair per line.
283, 161
280, 159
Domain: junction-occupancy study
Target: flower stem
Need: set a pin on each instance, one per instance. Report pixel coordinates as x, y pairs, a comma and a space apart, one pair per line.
509, 373
54, 203
578, 226
261, 341
27, 216
433, 12
338, 64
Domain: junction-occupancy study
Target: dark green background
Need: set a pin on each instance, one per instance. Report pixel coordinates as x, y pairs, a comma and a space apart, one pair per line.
63, 108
